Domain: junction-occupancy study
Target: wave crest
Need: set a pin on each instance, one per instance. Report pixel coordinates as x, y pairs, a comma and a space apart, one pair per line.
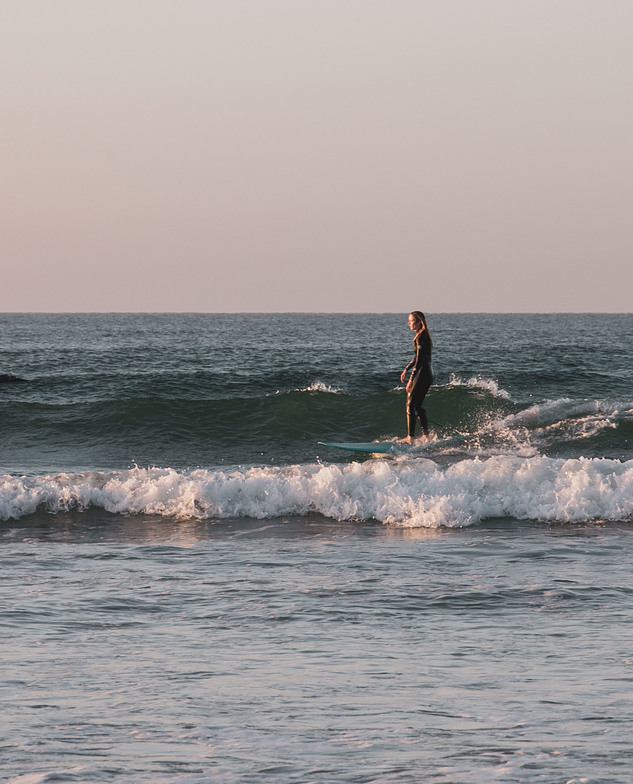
315, 386
414, 493
479, 382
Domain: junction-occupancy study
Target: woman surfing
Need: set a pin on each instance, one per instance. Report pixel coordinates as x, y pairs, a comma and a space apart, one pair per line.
421, 376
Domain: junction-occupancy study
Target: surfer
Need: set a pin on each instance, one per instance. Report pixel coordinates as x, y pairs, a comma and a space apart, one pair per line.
421, 375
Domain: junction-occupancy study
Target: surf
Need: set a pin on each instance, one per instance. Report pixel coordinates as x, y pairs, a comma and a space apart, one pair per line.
410, 493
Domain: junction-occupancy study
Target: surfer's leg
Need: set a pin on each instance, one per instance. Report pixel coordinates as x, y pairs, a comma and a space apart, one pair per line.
417, 412
411, 418
424, 421
418, 393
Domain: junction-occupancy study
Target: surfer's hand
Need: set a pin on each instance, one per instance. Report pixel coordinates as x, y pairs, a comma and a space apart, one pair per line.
402, 375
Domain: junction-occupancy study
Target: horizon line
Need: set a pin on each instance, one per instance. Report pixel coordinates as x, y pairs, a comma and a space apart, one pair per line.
309, 312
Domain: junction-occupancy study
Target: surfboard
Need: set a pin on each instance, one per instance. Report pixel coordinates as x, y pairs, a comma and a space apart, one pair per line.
374, 447
392, 447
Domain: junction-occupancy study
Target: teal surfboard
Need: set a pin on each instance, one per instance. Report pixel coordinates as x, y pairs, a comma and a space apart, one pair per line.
392, 447
373, 447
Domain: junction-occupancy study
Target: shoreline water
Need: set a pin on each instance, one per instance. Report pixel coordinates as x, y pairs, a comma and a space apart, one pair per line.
97, 525
303, 649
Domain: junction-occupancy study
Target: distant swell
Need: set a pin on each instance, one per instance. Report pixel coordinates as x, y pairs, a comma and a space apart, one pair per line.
413, 493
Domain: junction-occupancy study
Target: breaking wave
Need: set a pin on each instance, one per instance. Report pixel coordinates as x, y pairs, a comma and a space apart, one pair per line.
479, 382
414, 493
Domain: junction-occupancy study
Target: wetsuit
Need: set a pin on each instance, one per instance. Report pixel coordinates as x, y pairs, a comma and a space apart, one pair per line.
422, 378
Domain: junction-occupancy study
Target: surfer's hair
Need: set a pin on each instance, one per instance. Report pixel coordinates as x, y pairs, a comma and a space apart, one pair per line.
421, 319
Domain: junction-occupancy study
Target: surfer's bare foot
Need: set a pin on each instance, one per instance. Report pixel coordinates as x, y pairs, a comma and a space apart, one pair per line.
405, 440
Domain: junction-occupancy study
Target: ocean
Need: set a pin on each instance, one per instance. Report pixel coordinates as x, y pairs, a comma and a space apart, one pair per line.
192, 589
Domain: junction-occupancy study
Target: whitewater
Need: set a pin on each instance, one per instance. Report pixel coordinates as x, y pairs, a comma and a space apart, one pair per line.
399, 493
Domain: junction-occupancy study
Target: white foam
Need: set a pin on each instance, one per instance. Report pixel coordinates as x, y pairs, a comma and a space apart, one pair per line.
315, 386
320, 386
562, 418
412, 493
549, 411
479, 382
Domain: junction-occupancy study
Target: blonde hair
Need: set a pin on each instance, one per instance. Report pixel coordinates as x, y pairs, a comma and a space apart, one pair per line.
421, 319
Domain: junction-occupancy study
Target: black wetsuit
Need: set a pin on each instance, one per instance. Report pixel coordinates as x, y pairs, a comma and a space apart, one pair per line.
422, 378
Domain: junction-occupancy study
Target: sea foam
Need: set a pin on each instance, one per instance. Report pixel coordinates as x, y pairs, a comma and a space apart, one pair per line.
315, 386
479, 382
415, 493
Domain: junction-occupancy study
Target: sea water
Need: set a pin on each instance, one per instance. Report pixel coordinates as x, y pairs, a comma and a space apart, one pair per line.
193, 590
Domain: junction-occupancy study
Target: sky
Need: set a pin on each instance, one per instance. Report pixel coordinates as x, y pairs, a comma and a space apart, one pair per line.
316, 155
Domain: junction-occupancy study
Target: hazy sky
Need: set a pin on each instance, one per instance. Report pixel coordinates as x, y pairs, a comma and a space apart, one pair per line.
316, 155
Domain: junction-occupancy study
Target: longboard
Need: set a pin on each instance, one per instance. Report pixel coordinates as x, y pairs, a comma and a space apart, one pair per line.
392, 447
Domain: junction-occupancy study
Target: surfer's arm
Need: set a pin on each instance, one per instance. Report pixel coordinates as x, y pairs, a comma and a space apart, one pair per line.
415, 372
406, 370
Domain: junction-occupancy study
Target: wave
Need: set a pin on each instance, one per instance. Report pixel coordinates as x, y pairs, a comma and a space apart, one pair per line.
479, 382
283, 428
315, 386
414, 493
567, 421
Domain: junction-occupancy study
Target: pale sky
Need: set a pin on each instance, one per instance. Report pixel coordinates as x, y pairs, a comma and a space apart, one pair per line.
316, 155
